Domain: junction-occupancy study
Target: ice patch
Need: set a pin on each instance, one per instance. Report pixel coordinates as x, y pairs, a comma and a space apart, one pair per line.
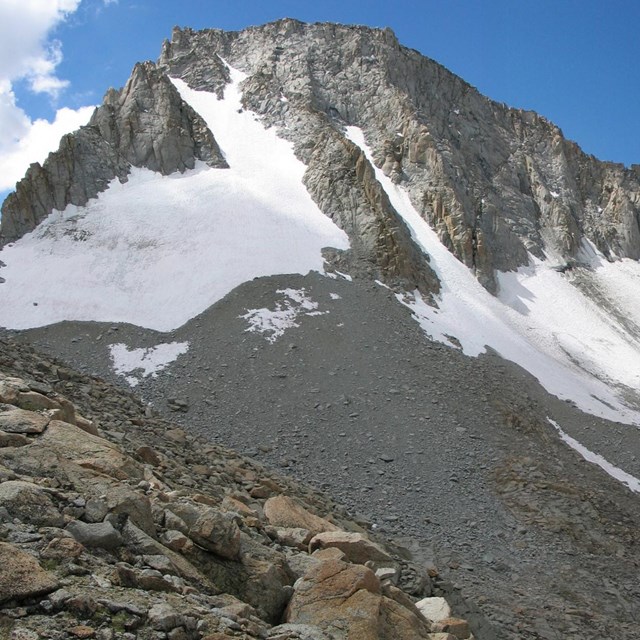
141, 363
272, 323
615, 472
335, 296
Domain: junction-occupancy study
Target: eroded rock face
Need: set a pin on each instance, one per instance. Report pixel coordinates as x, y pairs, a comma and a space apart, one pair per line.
495, 183
146, 124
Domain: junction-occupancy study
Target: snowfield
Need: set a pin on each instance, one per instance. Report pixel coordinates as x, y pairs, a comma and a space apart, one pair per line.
541, 319
158, 250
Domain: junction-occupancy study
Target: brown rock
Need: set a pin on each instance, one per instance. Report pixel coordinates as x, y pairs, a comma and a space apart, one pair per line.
14, 420
21, 576
456, 627
9, 389
345, 601
283, 511
355, 546
60, 548
82, 631
148, 455
88, 452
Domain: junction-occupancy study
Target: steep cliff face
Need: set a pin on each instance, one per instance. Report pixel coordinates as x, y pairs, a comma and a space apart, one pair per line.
146, 124
496, 184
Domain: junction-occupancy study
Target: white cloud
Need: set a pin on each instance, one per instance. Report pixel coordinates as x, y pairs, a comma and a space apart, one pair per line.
29, 54
35, 141
26, 52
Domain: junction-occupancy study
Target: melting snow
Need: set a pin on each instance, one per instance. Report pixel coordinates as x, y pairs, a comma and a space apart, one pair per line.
272, 323
158, 250
144, 362
615, 472
539, 320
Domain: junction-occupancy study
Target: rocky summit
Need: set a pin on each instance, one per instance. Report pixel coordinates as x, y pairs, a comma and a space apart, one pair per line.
300, 261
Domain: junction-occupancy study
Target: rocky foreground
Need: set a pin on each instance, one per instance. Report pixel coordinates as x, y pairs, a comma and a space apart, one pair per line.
117, 524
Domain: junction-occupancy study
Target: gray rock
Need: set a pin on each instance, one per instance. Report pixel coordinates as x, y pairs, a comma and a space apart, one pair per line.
146, 124
95, 510
30, 503
14, 420
216, 532
164, 618
13, 439
98, 534
495, 183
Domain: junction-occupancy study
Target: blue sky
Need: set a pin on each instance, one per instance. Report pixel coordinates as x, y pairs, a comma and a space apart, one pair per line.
573, 61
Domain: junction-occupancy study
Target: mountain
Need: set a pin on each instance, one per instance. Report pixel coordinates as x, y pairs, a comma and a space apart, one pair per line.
322, 248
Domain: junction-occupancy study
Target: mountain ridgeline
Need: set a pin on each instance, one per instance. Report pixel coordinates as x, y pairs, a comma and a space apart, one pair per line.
496, 184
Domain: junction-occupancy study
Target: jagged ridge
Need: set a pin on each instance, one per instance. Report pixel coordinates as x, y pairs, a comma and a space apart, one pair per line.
496, 183
146, 124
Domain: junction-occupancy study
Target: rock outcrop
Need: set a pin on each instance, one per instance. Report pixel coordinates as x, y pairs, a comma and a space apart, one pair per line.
138, 529
495, 183
146, 124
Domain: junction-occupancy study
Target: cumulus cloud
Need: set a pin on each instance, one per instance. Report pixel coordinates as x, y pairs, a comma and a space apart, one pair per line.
38, 138
26, 51
29, 54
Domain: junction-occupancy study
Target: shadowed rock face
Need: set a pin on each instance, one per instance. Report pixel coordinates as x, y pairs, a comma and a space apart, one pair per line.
146, 124
495, 183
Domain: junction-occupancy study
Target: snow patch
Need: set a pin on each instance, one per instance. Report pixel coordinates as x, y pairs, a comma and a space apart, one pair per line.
615, 472
272, 323
335, 296
142, 363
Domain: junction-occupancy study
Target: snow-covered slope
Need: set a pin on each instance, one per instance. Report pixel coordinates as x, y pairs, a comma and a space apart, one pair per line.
158, 250
578, 349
